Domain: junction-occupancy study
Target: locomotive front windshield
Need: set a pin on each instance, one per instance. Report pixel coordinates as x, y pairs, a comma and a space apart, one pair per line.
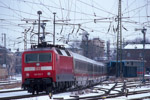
38, 57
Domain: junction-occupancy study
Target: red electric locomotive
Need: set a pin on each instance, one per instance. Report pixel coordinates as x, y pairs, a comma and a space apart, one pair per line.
44, 69
51, 68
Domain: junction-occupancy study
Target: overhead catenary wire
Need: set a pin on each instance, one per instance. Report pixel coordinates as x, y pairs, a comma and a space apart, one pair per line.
61, 10
21, 11
96, 7
136, 8
42, 8
128, 6
77, 15
35, 3
10, 9
147, 12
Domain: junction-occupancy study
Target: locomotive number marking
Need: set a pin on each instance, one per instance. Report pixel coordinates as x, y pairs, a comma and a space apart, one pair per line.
38, 74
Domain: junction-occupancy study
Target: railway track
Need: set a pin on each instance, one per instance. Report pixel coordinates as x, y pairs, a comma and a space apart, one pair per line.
29, 95
118, 89
11, 91
6, 84
9, 86
123, 92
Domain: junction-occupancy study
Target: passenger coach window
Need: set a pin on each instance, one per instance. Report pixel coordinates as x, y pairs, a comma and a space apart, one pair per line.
38, 57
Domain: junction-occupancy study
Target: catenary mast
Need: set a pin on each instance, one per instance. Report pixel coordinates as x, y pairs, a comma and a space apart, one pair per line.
119, 41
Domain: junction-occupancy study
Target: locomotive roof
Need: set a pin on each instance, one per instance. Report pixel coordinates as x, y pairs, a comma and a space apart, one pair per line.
45, 46
75, 55
83, 58
62, 52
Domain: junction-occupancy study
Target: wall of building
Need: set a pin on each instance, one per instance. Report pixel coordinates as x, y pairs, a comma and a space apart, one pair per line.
18, 65
137, 54
7, 58
3, 73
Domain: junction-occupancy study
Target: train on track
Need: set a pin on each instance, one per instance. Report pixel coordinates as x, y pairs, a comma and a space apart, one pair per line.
130, 68
49, 68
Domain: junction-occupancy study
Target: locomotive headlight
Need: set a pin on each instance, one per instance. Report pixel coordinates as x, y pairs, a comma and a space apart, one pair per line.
48, 73
37, 64
27, 74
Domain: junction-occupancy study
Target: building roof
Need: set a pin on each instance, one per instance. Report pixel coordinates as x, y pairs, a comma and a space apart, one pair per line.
137, 46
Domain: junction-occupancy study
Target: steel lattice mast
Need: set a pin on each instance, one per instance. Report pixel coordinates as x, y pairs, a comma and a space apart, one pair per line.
119, 41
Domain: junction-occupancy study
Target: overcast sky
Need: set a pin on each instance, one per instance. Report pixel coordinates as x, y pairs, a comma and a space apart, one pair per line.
97, 17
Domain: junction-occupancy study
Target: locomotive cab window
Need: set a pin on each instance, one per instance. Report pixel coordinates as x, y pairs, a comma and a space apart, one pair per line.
38, 57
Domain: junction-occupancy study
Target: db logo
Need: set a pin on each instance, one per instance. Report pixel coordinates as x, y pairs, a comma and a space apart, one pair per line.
37, 68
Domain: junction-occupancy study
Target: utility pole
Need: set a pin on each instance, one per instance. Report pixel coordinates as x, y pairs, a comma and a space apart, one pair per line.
85, 37
25, 40
54, 29
108, 50
3, 34
119, 41
39, 13
144, 33
5, 54
4, 40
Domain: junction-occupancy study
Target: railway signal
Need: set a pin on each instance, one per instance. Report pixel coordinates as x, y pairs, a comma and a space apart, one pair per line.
144, 33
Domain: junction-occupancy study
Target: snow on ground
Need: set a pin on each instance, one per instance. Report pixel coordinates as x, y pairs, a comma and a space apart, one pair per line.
136, 96
11, 89
13, 94
12, 79
109, 86
17, 77
64, 95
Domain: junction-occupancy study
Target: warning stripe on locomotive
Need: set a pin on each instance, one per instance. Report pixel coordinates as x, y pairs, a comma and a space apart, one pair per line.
38, 68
